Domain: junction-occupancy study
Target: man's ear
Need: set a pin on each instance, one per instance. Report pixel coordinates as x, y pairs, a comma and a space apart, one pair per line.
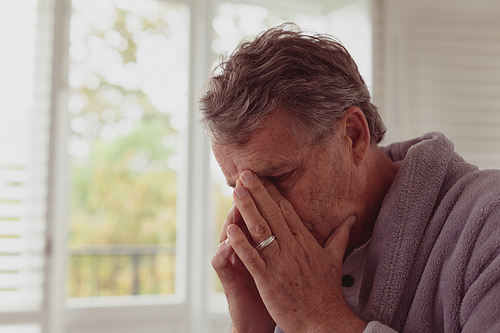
357, 132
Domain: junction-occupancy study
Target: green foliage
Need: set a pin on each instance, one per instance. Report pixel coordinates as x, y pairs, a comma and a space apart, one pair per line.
114, 204
123, 191
116, 276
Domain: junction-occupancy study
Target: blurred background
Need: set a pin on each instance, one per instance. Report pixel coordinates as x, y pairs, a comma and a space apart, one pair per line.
110, 200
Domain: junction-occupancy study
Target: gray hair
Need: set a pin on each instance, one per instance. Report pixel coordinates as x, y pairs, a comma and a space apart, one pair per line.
312, 78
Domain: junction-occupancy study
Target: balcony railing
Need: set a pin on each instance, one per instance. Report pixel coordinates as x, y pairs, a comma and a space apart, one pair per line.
121, 269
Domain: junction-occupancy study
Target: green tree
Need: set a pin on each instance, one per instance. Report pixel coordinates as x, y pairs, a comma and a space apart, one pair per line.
112, 202
123, 191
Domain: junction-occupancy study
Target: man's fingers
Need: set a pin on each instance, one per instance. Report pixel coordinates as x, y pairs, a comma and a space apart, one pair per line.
246, 252
336, 244
257, 226
220, 260
233, 216
291, 217
261, 208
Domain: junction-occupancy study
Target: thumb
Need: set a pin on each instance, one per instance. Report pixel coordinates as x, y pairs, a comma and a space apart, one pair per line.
336, 244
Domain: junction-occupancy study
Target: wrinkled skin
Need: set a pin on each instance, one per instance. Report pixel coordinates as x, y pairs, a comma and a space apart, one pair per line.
316, 200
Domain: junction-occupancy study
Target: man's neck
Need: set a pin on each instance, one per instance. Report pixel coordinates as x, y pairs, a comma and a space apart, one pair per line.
380, 174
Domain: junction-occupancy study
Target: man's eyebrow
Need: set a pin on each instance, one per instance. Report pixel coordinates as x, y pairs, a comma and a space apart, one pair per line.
264, 172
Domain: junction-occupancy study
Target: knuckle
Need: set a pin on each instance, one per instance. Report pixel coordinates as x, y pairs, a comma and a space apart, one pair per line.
246, 205
298, 253
286, 207
215, 262
261, 229
248, 256
272, 211
239, 241
256, 187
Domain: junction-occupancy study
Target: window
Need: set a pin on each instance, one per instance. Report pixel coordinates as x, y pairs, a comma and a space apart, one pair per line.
128, 74
109, 199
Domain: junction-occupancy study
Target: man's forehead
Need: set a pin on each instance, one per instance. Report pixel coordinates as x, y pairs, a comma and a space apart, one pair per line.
268, 151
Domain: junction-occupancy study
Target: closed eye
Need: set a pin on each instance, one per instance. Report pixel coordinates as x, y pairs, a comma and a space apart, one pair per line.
278, 179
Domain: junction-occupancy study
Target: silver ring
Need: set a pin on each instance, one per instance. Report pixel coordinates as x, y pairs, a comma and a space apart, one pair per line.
265, 242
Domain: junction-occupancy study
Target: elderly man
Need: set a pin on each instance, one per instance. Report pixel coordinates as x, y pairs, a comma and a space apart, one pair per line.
328, 231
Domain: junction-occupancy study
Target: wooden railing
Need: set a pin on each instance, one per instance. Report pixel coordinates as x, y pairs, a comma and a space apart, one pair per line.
121, 269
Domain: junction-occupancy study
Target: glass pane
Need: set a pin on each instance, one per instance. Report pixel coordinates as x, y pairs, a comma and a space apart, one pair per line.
128, 74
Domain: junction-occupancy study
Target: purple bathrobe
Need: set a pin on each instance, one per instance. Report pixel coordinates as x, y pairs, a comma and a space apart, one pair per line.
433, 263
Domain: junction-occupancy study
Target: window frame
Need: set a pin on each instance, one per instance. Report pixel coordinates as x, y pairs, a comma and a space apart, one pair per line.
187, 311
195, 309
193, 312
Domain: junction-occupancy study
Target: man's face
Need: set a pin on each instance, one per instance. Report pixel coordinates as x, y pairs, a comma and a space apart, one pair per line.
317, 178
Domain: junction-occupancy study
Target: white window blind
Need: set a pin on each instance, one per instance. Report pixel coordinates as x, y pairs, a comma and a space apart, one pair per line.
446, 69
25, 67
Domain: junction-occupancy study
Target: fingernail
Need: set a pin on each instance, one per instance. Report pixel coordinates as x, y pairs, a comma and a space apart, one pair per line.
286, 207
240, 191
232, 229
226, 242
351, 220
248, 175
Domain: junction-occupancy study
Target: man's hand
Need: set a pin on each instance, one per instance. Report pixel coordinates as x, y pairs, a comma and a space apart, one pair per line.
247, 310
298, 281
